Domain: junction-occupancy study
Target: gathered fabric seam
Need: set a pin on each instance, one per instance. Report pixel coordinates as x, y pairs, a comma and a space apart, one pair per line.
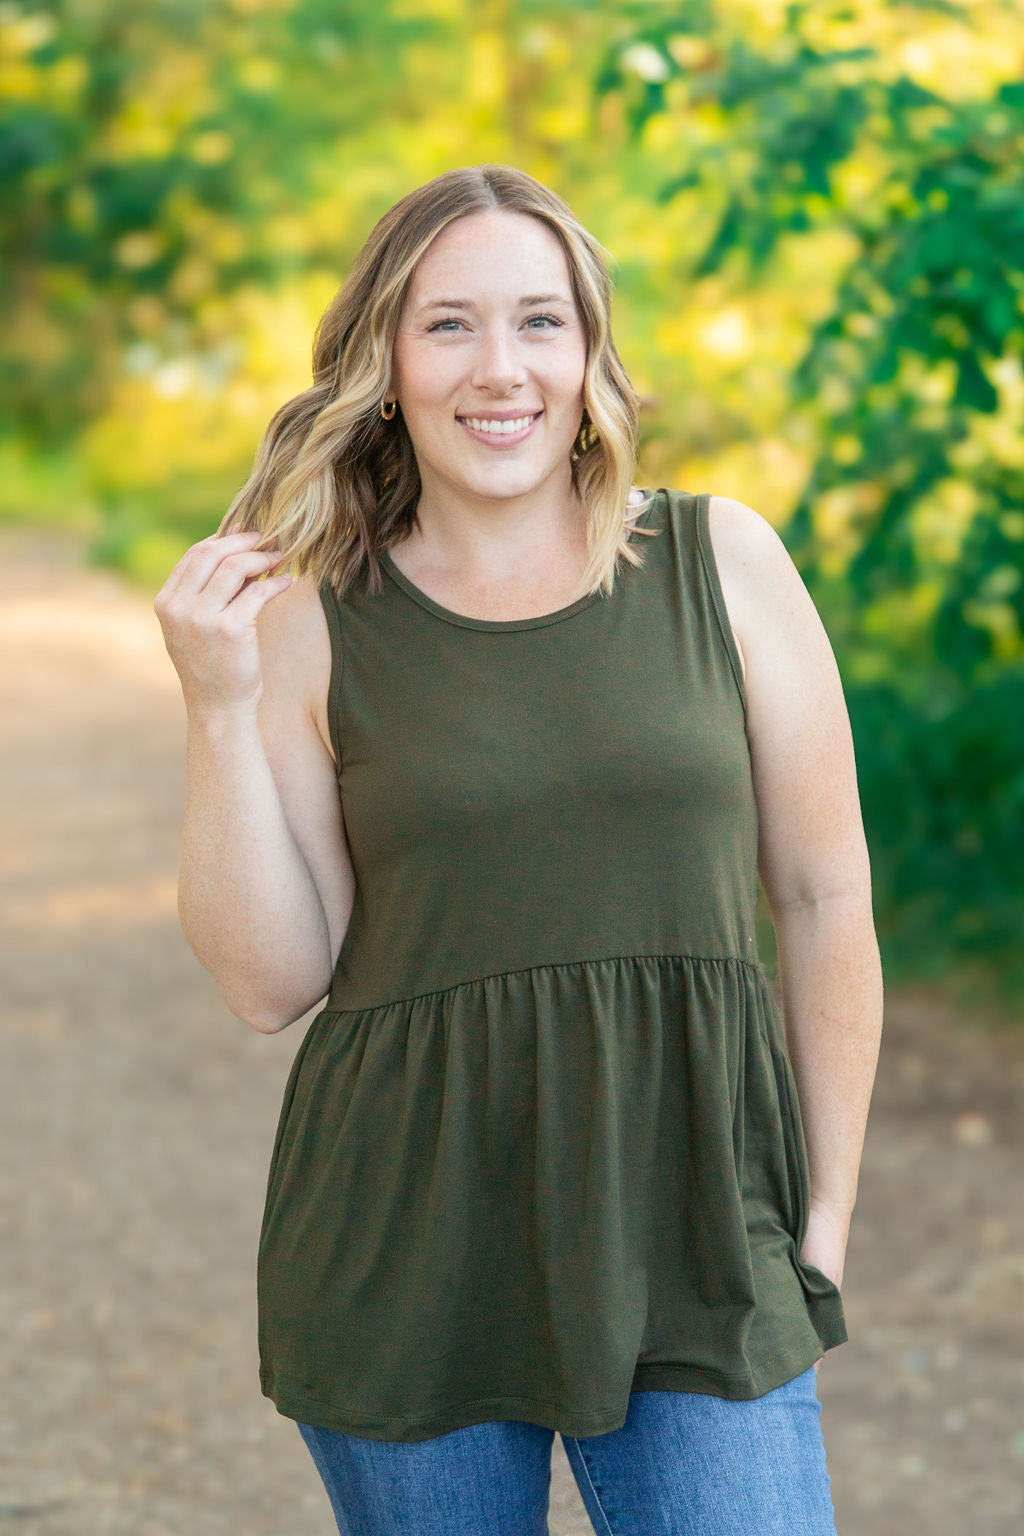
554, 965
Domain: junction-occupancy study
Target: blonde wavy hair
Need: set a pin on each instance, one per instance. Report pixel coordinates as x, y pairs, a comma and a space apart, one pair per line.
333, 483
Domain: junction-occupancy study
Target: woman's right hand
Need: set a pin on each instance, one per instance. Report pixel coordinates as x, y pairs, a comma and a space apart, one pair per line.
207, 609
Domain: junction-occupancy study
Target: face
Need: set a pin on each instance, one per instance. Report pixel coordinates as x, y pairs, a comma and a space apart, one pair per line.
490, 333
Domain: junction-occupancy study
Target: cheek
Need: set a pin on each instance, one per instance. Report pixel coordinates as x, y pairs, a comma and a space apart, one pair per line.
440, 372
569, 389
565, 370
426, 389
418, 367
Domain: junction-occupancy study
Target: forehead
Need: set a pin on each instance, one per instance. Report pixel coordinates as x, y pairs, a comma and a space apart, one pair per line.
496, 250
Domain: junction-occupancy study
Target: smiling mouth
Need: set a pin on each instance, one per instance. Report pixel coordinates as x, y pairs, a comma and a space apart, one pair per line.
485, 426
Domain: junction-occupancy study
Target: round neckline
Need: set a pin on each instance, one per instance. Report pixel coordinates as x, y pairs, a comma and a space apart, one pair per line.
464, 621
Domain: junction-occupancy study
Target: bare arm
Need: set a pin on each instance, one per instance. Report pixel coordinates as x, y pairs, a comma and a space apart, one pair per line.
812, 858
264, 890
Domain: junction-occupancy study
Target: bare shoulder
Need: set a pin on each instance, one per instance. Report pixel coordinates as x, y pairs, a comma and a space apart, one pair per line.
764, 593
810, 836
295, 614
745, 543
295, 652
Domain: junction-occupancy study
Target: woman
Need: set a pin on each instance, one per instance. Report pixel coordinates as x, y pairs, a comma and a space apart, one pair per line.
494, 772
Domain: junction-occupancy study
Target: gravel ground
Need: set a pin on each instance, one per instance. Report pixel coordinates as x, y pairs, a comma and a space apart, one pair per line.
139, 1117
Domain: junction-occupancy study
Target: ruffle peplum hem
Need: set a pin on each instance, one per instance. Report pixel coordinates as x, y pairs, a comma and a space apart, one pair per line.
528, 1194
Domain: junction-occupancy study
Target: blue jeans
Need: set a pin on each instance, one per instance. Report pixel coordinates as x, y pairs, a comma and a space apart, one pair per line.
683, 1464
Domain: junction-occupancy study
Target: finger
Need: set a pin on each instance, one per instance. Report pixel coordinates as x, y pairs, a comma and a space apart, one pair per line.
231, 576
210, 554
225, 538
195, 567
197, 557
207, 567
250, 602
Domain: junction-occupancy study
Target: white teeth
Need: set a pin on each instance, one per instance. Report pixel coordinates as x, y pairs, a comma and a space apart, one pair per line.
505, 428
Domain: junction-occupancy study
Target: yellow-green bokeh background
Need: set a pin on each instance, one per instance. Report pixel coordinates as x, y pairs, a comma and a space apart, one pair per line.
813, 216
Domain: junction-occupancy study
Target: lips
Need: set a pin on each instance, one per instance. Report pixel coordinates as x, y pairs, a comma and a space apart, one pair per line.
500, 439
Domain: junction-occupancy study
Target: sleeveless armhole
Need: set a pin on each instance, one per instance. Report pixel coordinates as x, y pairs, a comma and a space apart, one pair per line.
707, 555
329, 600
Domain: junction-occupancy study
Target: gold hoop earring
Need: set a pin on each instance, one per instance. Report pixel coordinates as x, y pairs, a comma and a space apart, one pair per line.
388, 415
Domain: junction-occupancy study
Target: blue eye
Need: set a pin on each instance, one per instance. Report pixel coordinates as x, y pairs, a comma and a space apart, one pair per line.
438, 324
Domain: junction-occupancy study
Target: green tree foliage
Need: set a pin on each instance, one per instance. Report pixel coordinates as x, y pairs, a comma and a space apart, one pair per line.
816, 210
149, 159
912, 384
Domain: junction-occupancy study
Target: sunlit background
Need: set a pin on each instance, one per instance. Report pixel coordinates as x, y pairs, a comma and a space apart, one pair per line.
816, 218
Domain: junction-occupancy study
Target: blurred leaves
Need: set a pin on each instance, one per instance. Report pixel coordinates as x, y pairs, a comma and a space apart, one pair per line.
907, 526
817, 215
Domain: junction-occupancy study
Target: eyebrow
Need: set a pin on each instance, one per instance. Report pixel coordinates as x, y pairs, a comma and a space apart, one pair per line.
531, 298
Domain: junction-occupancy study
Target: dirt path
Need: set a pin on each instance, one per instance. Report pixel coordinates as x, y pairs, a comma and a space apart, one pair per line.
139, 1118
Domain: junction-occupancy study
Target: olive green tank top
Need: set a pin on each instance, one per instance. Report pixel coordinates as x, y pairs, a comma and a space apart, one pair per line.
542, 1146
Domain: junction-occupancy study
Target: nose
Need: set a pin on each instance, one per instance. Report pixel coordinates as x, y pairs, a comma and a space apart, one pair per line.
497, 362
